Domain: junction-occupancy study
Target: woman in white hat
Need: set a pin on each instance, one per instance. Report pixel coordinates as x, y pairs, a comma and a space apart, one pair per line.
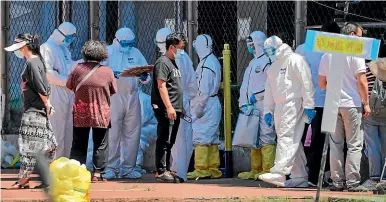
36, 135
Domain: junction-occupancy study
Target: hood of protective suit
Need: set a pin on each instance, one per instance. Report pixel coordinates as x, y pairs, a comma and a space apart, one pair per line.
203, 45
280, 49
258, 38
123, 34
66, 28
160, 39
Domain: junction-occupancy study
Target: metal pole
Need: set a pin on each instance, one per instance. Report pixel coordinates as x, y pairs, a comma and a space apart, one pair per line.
4, 85
227, 110
300, 21
94, 20
322, 166
191, 24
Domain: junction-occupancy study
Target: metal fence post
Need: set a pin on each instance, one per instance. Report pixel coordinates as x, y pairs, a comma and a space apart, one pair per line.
300, 21
192, 6
4, 85
94, 20
227, 110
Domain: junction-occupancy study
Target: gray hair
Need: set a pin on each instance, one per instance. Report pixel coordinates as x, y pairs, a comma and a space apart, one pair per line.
350, 27
94, 50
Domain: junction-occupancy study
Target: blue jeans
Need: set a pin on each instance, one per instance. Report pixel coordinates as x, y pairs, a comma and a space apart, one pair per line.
375, 138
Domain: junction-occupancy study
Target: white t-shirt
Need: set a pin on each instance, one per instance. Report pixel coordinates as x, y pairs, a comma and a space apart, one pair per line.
350, 96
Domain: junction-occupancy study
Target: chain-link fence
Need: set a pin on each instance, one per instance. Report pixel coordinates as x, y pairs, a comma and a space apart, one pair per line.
225, 21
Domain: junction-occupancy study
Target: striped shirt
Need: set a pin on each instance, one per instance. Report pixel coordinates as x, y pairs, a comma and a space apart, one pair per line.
370, 79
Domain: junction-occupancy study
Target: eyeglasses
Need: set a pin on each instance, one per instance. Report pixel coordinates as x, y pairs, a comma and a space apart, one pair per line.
67, 38
127, 43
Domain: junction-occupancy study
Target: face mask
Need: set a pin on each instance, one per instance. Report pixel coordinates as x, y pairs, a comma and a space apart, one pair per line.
18, 54
126, 49
179, 53
250, 50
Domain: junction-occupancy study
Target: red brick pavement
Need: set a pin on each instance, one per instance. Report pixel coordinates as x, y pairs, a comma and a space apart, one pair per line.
147, 190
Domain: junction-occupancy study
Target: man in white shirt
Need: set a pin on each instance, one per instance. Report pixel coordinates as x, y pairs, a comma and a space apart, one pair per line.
354, 95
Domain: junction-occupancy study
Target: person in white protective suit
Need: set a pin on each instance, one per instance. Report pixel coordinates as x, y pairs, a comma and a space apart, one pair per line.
57, 59
148, 130
125, 107
183, 148
206, 112
252, 94
288, 103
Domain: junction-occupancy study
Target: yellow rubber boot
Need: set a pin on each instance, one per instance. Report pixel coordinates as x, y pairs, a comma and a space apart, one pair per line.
268, 153
214, 162
201, 169
256, 163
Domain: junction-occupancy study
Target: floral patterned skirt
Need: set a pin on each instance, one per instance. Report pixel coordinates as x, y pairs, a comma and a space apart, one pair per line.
35, 136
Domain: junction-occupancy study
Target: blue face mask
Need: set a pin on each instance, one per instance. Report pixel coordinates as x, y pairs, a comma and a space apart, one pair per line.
68, 39
270, 52
126, 45
250, 50
180, 53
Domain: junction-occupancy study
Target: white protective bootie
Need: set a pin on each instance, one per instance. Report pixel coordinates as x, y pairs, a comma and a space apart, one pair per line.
296, 182
276, 179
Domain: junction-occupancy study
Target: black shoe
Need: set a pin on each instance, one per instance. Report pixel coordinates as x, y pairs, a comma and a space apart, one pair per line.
334, 188
177, 179
165, 177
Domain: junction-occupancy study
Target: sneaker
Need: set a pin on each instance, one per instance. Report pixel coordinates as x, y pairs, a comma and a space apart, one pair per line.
296, 182
335, 188
367, 186
165, 177
276, 179
380, 188
177, 179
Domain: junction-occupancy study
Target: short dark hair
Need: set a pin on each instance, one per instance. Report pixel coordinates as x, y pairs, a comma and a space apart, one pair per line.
331, 27
94, 50
174, 39
351, 27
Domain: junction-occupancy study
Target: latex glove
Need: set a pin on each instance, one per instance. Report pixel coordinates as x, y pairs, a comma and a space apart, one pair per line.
116, 74
268, 119
250, 109
199, 111
310, 114
253, 99
143, 77
244, 108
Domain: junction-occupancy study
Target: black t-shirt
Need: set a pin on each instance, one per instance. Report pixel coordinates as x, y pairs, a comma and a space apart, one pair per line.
34, 82
167, 70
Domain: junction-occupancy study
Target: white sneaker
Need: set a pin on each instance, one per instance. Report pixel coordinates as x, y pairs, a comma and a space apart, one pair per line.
276, 179
296, 182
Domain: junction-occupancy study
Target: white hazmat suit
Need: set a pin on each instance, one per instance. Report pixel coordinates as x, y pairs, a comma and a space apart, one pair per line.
206, 111
126, 124
183, 148
59, 64
289, 92
252, 95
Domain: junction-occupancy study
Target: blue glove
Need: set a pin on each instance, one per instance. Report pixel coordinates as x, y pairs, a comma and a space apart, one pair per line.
116, 74
253, 99
268, 119
244, 109
143, 76
310, 113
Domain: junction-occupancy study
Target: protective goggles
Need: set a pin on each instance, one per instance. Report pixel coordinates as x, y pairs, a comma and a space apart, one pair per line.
250, 42
269, 51
127, 43
158, 42
67, 38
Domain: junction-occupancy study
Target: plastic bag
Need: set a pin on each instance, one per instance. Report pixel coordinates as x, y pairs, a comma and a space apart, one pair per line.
9, 155
70, 181
247, 130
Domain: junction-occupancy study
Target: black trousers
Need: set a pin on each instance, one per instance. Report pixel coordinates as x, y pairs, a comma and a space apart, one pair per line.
80, 144
166, 137
315, 151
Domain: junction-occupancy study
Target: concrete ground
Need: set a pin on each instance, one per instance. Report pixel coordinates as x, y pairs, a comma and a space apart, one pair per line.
147, 189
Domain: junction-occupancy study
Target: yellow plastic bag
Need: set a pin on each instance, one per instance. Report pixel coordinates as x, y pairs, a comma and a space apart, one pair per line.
70, 181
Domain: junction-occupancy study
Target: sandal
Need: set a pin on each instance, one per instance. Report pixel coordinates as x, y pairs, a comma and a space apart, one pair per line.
95, 179
17, 185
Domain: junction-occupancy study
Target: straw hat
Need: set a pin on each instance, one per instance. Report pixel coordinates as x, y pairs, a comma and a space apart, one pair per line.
378, 68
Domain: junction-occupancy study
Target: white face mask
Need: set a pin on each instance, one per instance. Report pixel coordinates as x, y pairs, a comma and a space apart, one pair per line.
18, 54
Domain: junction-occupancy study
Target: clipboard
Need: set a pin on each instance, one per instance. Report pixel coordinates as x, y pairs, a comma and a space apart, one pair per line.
136, 71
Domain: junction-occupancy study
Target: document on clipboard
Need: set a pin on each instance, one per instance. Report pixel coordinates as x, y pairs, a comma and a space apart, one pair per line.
136, 71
